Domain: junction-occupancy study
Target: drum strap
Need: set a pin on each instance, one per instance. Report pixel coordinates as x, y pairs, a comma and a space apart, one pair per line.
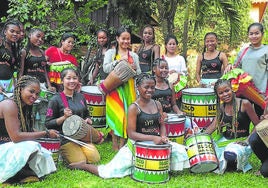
240, 58
64, 100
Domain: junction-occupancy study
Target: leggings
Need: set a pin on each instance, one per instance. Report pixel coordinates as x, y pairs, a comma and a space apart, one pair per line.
261, 151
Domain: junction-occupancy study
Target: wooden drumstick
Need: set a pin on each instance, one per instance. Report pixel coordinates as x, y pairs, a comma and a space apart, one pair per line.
76, 141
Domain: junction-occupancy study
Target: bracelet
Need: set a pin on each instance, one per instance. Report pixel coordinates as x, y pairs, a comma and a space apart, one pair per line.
47, 135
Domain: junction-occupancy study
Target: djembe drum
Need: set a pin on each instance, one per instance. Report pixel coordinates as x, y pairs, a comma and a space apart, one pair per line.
122, 73
262, 131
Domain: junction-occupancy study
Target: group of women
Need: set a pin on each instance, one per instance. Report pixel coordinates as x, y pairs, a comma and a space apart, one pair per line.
136, 107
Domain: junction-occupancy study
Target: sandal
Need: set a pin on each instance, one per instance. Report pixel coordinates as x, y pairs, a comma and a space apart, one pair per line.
101, 135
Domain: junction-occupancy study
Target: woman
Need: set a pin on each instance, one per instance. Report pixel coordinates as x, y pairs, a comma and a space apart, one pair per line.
211, 63
22, 160
143, 110
233, 123
98, 73
254, 60
33, 60
148, 51
125, 94
68, 103
8, 56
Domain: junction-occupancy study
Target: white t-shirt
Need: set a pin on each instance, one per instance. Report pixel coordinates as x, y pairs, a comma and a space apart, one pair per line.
177, 63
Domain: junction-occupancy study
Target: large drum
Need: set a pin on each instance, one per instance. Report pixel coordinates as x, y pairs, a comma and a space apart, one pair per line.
151, 162
55, 70
75, 127
262, 130
52, 145
199, 104
121, 73
96, 105
175, 128
201, 153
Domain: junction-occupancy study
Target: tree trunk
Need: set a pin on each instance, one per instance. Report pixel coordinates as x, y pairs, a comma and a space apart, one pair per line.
185, 32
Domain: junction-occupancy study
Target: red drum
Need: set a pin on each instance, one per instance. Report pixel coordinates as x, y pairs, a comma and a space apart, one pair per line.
121, 73
175, 128
151, 162
52, 145
201, 153
96, 102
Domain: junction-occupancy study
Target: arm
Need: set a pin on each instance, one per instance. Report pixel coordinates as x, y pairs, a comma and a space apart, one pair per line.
10, 115
212, 127
198, 68
183, 66
137, 62
108, 62
156, 50
224, 61
250, 112
22, 62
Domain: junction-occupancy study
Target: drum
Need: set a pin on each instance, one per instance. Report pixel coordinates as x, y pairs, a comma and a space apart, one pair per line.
39, 114
75, 127
199, 104
175, 128
55, 70
96, 105
201, 153
262, 130
151, 162
121, 73
52, 145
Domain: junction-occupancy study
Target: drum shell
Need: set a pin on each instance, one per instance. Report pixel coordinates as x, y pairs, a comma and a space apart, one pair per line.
175, 128
199, 104
75, 127
96, 103
151, 162
52, 145
201, 153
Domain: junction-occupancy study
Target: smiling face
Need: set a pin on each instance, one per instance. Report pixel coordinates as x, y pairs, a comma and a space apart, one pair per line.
68, 44
224, 92
161, 70
30, 93
171, 46
147, 88
124, 40
37, 38
211, 42
12, 33
70, 80
255, 36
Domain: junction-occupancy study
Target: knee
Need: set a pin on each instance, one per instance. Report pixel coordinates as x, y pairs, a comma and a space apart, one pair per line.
254, 140
91, 153
264, 169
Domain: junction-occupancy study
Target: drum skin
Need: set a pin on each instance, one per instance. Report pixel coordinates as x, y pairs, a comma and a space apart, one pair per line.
151, 162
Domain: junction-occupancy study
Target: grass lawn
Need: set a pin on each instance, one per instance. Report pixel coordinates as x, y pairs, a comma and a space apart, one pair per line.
75, 178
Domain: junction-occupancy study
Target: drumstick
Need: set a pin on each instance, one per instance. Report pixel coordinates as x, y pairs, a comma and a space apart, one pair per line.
76, 141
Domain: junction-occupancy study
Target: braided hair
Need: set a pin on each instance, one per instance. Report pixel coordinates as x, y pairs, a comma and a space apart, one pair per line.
220, 113
24, 112
144, 76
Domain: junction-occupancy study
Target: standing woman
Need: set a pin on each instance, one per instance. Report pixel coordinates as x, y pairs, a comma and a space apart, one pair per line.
68, 103
254, 60
148, 51
8, 55
211, 63
98, 73
22, 160
120, 98
33, 60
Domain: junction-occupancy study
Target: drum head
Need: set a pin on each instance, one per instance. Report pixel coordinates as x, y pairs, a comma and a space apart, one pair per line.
151, 144
91, 89
71, 125
199, 91
175, 118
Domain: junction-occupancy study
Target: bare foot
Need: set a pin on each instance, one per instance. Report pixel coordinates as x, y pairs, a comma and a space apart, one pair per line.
258, 173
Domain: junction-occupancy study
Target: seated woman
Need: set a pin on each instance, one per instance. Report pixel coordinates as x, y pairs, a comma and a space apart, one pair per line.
68, 103
232, 121
19, 155
259, 148
142, 111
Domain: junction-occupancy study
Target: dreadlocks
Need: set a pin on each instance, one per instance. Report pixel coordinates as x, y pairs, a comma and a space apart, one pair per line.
24, 112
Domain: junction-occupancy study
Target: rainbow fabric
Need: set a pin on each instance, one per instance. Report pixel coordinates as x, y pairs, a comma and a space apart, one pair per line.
117, 103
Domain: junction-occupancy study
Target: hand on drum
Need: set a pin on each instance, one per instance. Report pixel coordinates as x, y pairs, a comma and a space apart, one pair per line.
53, 133
160, 140
52, 89
67, 112
89, 121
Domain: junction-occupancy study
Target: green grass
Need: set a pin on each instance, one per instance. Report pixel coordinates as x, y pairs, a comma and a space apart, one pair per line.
75, 178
